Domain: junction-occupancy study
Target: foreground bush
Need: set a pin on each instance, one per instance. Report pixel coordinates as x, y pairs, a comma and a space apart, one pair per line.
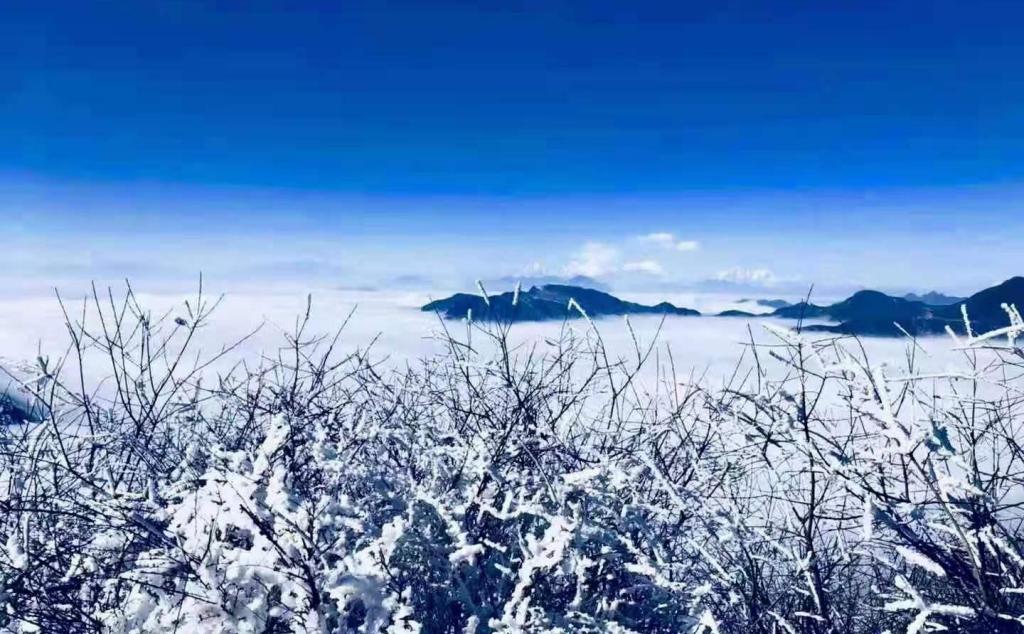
493, 488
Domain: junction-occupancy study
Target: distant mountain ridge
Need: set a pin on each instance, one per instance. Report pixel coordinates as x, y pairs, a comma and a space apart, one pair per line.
875, 313
933, 298
529, 281
767, 303
543, 303
867, 312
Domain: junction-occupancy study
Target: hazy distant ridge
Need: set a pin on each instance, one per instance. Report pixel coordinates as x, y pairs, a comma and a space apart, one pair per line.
863, 313
541, 303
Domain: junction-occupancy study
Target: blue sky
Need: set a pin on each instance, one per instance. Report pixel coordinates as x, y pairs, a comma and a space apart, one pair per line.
842, 143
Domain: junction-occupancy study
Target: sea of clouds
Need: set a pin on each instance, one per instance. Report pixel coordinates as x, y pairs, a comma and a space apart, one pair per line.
707, 347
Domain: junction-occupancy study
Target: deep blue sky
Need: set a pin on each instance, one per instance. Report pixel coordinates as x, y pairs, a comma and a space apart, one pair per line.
515, 97
637, 107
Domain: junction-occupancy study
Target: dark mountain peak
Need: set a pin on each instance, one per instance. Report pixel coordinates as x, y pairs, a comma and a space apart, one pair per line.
1010, 292
874, 313
801, 310
868, 300
866, 312
1013, 287
985, 308
529, 281
767, 303
933, 298
869, 297
550, 301
568, 290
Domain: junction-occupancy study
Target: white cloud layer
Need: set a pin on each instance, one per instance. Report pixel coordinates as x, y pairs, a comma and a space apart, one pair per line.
667, 240
650, 267
593, 260
740, 275
598, 259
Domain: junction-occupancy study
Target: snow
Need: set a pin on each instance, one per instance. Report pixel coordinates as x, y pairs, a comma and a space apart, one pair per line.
526, 507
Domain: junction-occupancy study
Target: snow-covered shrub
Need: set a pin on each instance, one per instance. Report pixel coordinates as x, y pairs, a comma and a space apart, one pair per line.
495, 489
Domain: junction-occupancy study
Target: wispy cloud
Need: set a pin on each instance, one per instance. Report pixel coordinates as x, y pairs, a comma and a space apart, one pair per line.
599, 259
740, 275
650, 267
667, 240
660, 238
594, 259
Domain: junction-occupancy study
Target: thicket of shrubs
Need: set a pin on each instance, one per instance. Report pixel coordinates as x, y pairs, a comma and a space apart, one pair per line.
540, 488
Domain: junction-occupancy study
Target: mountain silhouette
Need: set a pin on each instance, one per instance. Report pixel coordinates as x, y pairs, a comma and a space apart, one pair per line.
542, 303
767, 303
985, 308
933, 298
529, 281
868, 313
877, 314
